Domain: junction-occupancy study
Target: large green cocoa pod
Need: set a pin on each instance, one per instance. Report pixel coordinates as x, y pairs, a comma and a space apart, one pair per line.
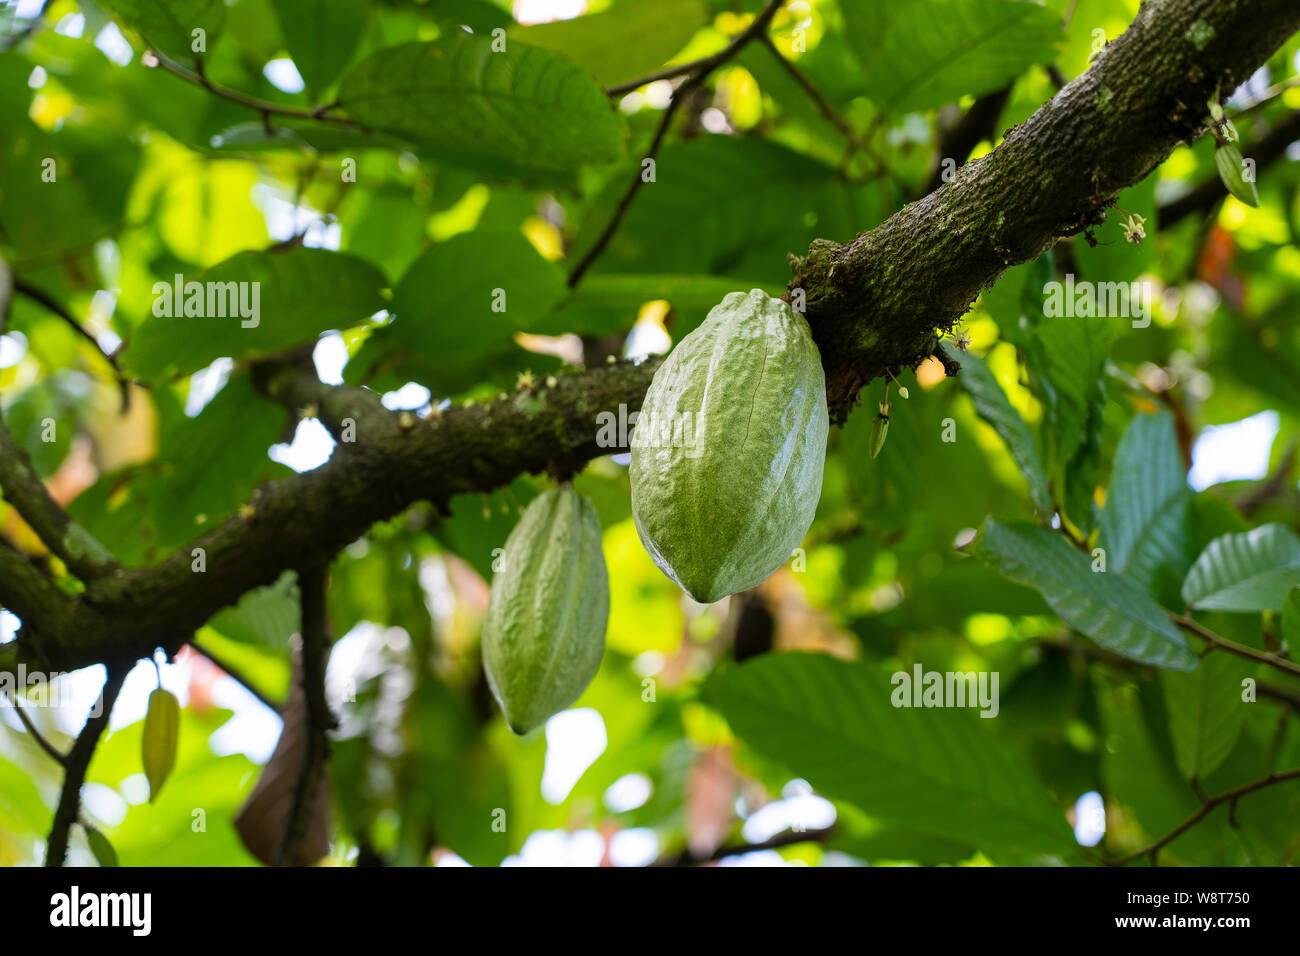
545, 629
728, 450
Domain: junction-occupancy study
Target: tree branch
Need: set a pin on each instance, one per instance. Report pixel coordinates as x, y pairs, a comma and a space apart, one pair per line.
234, 675
77, 763
23, 488
312, 584
787, 838
265, 107
1232, 647
877, 304
698, 72
55, 754
1153, 849
52, 305
706, 65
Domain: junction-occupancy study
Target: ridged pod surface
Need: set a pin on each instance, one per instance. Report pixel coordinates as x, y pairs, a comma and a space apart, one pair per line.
728, 451
545, 628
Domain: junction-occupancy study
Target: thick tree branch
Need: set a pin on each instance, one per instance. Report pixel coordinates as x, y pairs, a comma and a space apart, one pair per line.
77, 763
395, 461
878, 302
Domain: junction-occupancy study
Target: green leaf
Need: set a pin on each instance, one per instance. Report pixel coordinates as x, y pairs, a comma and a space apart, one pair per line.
1231, 166
289, 295
1291, 620
1145, 526
604, 304
1206, 712
464, 299
267, 616
321, 36
992, 405
1109, 608
169, 25
923, 53
931, 770
520, 112
158, 745
1252, 571
99, 845
718, 204
620, 44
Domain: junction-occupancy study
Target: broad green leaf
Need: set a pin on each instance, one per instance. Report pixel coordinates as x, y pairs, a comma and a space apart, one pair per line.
169, 25
622, 43
207, 467
992, 405
932, 770
523, 111
917, 54
464, 299
1068, 359
718, 204
1206, 712
1252, 571
266, 616
1109, 608
158, 745
1145, 524
604, 304
1291, 620
99, 845
321, 36
280, 298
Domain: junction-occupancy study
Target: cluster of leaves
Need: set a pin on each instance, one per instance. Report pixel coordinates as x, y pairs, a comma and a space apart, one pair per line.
421, 172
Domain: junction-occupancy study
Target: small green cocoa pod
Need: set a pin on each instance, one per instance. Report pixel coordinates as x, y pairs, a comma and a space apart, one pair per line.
727, 455
545, 628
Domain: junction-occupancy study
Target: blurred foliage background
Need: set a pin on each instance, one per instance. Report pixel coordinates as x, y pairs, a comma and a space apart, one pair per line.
157, 177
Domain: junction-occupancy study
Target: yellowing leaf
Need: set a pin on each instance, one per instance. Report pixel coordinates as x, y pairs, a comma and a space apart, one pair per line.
161, 726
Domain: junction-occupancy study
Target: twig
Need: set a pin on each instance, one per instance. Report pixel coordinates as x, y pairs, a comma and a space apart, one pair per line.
1232, 647
856, 141
629, 194
788, 838
58, 756
235, 675
52, 305
312, 583
1153, 849
698, 70
706, 64
78, 762
199, 78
